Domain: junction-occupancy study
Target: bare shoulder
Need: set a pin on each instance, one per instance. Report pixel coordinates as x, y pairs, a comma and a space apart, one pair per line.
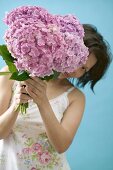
5, 90
74, 113
6, 78
76, 95
77, 101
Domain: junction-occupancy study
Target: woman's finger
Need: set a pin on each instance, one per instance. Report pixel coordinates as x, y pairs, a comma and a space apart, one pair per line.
39, 81
21, 101
23, 96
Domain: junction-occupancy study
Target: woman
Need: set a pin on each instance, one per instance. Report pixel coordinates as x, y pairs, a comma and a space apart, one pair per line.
39, 139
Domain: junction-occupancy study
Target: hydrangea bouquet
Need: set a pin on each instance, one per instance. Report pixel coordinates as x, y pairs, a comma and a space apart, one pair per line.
41, 44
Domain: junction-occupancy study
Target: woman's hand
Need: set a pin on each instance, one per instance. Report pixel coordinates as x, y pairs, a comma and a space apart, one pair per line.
36, 88
20, 95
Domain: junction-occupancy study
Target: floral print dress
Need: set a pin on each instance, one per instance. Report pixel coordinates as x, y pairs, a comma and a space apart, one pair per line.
27, 147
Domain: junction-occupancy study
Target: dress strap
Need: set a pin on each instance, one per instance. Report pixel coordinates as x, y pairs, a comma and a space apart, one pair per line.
70, 89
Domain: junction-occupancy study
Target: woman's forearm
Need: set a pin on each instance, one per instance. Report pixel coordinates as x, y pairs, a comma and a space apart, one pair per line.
57, 135
7, 121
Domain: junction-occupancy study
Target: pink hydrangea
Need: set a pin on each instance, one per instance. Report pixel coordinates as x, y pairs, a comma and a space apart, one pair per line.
41, 42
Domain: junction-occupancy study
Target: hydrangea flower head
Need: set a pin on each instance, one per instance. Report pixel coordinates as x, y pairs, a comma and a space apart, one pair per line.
41, 42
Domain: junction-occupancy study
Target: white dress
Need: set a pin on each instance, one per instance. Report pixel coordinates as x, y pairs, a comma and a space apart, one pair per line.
27, 147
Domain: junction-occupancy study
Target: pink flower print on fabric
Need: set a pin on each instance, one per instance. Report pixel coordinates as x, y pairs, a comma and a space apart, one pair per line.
37, 148
26, 150
39, 154
45, 157
33, 168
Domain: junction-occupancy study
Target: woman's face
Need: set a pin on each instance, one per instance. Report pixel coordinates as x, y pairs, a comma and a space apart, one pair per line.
82, 70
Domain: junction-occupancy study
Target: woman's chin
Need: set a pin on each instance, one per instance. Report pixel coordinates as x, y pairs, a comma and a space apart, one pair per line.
63, 76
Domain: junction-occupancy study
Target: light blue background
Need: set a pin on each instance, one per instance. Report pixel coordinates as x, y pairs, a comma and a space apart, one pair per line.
92, 147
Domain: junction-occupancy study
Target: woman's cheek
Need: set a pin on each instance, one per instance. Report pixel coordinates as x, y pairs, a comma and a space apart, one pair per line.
78, 73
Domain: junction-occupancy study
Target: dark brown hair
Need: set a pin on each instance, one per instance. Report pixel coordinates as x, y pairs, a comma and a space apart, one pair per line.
100, 48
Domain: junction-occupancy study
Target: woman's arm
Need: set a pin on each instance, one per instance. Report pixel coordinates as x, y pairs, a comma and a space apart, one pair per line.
62, 134
5, 91
8, 115
59, 134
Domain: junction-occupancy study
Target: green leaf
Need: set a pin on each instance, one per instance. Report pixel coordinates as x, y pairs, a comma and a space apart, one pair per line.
47, 78
5, 53
56, 74
53, 76
11, 66
20, 76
